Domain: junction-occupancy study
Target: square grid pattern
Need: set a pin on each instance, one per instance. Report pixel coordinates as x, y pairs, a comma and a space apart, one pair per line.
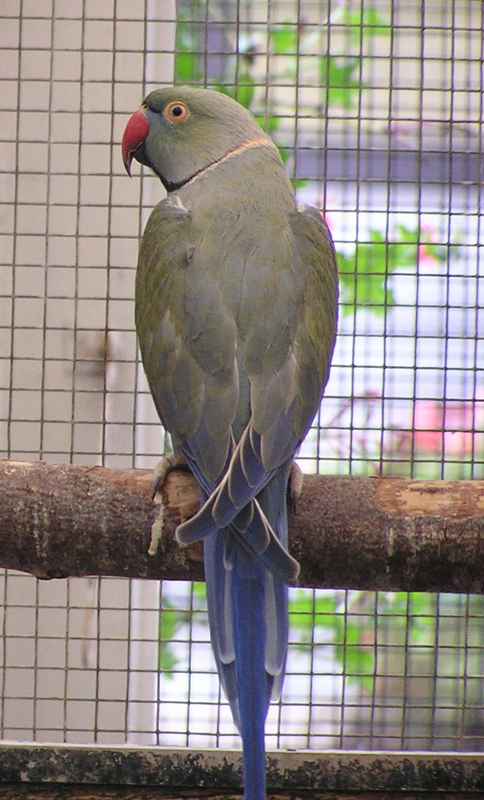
377, 110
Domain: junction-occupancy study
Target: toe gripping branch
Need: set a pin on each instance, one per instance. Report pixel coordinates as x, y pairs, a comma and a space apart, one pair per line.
185, 506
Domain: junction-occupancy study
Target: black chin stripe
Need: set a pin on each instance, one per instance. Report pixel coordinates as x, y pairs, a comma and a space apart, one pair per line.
173, 187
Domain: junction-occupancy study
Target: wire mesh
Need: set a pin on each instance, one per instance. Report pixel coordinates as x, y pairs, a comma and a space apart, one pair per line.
377, 110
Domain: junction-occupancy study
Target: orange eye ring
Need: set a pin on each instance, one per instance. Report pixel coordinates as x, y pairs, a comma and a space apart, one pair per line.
176, 112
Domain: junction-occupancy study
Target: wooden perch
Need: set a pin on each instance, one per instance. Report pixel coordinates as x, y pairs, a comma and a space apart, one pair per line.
359, 533
84, 772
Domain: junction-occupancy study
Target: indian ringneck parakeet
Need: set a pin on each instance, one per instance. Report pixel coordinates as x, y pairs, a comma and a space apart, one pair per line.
236, 309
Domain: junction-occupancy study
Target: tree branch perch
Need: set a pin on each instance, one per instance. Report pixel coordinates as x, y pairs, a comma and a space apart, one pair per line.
361, 533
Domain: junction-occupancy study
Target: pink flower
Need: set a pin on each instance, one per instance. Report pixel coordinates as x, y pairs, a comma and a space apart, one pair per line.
429, 235
424, 257
456, 427
428, 426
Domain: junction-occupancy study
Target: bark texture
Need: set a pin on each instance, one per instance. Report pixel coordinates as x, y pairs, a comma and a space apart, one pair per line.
145, 772
360, 533
76, 792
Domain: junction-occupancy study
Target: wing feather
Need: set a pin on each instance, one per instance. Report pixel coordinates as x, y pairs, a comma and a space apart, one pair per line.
187, 339
285, 392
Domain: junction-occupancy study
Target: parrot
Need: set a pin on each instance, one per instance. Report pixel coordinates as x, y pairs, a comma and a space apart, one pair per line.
236, 313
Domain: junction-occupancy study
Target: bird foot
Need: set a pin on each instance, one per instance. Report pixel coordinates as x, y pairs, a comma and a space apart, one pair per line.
295, 487
160, 474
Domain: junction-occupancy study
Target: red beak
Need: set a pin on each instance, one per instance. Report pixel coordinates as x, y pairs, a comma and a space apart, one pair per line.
134, 135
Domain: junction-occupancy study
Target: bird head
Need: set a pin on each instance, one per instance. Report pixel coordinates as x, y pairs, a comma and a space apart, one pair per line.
180, 131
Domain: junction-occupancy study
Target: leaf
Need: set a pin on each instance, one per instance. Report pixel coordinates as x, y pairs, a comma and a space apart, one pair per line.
357, 659
243, 92
268, 124
365, 274
341, 79
421, 603
200, 591
375, 23
284, 39
169, 622
167, 661
437, 251
363, 277
406, 234
304, 602
308, 612
171, 619
299, 183
370, 19
284, 154
187, 59
186, 68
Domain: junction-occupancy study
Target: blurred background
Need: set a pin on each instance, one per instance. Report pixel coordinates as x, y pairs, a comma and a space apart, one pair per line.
377, 108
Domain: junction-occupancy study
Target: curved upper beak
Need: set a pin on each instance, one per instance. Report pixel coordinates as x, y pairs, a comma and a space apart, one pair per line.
134, 135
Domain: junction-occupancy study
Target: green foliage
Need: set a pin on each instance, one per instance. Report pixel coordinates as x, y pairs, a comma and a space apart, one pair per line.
347, 627
284, 39
364, 23
310, 612
305, 608
365, 272
350, 629
200, 592
341, 79
363, 276
269, 124
188, 62
171, 620
243, 92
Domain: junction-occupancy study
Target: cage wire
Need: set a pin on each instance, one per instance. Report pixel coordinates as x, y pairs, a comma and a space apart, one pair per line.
376, 107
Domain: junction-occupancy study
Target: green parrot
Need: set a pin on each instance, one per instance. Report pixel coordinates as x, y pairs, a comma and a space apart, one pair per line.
236, 313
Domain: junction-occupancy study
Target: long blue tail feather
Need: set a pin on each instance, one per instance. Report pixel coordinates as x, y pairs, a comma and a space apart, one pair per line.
253, 682
247, 605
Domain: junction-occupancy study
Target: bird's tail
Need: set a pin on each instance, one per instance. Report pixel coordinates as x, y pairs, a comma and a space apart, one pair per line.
247, 607
253, 682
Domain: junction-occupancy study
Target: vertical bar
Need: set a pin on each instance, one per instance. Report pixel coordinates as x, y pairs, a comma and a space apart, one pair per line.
97, 612
449, 233
14, 235
190, 664
477, 470
344, 675
419, 205
375, 649
65, 682
435, 671
387, 238
461, 717
4, 654
12, 351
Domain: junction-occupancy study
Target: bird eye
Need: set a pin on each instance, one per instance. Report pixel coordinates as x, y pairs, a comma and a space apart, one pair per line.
176, 111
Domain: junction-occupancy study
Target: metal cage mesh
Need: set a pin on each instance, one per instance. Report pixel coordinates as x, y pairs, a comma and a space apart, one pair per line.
376, 106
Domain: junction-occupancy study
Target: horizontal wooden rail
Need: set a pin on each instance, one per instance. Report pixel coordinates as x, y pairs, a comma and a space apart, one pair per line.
361, 533
216, 774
